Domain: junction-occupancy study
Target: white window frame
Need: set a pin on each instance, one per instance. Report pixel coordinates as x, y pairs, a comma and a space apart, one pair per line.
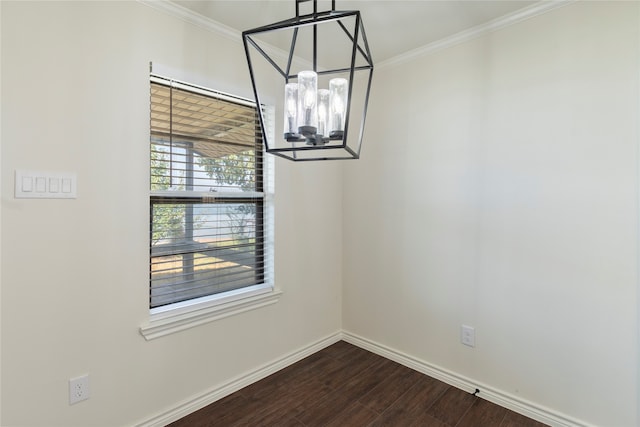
184, 315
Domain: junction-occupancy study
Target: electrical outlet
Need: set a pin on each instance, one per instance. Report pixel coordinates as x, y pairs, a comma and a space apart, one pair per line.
468, 335
78, 389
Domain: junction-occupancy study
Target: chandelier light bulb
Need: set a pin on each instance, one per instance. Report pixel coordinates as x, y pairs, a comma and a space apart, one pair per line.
307, 103
338, 95
291, 111
323, 112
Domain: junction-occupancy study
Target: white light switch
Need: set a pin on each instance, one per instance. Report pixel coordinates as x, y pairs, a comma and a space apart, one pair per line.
54, 185
45, 185
41, 184
27, 184
66, 185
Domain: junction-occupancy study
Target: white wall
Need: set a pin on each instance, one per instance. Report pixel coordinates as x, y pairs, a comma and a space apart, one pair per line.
74, 273
505, 198
498, 187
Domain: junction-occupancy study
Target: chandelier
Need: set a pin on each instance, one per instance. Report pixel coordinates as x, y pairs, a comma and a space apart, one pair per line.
326, 79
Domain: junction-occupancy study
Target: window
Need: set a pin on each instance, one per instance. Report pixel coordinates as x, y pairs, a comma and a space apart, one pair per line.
207, 198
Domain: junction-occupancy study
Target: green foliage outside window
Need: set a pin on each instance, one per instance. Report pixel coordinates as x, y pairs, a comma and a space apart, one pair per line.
168, 220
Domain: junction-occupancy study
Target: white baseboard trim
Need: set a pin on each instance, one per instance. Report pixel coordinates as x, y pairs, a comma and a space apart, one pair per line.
528, 409
216, 393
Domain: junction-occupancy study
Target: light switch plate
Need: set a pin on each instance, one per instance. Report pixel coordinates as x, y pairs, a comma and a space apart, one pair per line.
45, 185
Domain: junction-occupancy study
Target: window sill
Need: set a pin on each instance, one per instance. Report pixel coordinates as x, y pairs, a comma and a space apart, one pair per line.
180, 317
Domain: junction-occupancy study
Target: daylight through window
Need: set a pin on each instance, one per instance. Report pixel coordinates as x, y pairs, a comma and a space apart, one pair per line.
207, 197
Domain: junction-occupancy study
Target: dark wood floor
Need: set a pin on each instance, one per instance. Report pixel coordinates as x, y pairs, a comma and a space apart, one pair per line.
344, 385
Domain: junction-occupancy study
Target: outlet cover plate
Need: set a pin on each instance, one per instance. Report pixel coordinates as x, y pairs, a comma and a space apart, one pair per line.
468, 335
78, 389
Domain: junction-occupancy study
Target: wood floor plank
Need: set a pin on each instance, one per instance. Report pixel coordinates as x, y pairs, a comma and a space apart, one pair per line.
287, 422
311, 366
341, 350
223, 408
422, 396
483, 413
452, 406
413, 403
274, 420
425, 420
513, 419
322, 411
191, 420
271, 419
360, 385
355, 415
383, 395
303, 396
351, 368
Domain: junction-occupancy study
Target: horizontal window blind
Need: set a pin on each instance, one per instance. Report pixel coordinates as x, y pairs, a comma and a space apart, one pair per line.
207, 199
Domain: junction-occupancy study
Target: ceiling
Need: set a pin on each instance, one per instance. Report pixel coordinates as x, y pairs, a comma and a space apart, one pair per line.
393, 27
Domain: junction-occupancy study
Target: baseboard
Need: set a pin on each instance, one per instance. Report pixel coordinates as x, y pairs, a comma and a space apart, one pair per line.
216, 393
528, 409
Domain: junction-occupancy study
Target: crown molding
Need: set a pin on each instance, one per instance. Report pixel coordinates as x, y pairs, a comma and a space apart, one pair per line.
477, 31
191, 17
523, 14
194, 18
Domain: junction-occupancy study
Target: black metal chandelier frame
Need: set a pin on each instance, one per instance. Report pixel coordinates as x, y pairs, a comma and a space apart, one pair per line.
294, 150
